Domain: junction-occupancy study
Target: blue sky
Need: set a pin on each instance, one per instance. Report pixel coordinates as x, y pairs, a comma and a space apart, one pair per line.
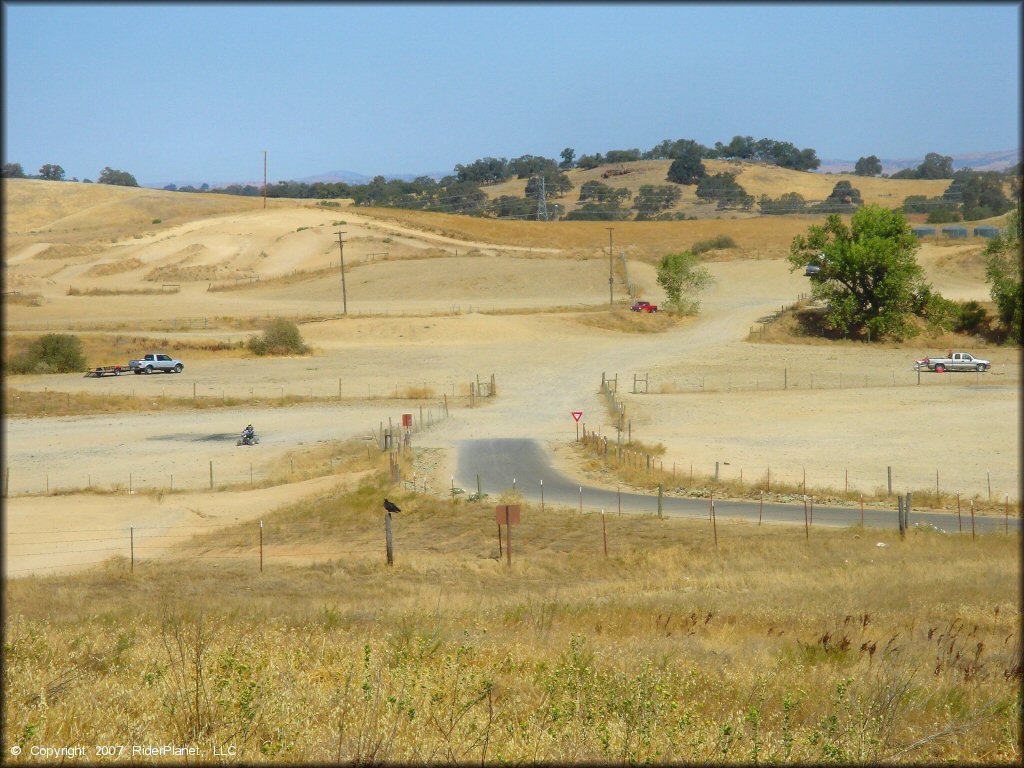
197, 92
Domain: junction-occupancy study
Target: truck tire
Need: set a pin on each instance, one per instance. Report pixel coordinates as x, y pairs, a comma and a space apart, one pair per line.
940, 368
178, 367
149, 370
981, 368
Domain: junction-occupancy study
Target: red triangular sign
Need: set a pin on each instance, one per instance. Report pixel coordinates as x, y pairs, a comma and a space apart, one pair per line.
576, 415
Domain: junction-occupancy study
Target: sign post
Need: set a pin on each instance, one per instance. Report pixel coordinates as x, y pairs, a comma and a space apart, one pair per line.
576, 417
507, 515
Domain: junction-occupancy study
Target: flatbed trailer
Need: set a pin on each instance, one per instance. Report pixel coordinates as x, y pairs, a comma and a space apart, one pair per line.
106, 370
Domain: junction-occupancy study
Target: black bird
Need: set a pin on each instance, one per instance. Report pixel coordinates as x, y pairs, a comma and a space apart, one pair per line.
390, 506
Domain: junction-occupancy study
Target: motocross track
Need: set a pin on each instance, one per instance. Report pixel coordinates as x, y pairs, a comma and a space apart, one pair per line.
712, 396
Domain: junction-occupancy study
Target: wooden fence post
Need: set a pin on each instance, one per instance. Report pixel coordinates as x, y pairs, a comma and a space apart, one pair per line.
807, 530
604, 533
906, 511
499, 541
508, 537
889, 482
899, 513
387, 538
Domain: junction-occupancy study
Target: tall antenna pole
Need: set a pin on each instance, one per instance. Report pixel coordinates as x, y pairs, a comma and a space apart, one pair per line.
611, 269
542, 205
344, 295
264, 178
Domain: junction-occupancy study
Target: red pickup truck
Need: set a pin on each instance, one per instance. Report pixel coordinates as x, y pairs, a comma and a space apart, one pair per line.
644, 306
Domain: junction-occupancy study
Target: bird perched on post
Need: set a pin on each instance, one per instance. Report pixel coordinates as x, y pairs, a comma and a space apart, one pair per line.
391, 506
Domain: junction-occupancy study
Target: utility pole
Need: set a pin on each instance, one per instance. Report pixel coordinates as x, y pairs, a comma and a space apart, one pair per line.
264, 178
611, 270
344, 295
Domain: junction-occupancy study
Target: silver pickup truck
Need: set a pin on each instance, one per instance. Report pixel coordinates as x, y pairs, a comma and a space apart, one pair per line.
151, 363
953, 361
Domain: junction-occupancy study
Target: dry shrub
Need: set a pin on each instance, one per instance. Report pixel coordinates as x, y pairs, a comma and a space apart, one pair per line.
114, 267
624, 320
280, 337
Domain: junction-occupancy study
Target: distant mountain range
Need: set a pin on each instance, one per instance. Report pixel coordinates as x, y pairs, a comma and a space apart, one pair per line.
978, 161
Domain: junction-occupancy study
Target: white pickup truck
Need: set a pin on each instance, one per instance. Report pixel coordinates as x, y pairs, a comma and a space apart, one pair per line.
953, 361
151, 363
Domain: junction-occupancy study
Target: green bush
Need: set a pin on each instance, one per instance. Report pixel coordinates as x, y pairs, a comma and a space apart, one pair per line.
943, 216
972, 318
714, 244
51, 353
280, 337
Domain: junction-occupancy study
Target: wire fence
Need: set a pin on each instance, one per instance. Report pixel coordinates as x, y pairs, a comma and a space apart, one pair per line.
237, 473
555, 529
620, 451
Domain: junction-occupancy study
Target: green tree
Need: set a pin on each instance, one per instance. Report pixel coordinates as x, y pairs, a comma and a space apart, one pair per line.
568, 156
722, 187
51, 172
788, 202
622, 155
682, 277
655, 198
556, 184
594, 211
845, 198
870, 279
868, 166
13, 171
687, 168
600, 192
1003, 260
980, 194
118, 178
487, 170
587, 162
935, 166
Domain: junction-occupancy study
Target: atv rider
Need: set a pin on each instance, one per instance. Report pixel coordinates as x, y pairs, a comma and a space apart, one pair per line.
248, 433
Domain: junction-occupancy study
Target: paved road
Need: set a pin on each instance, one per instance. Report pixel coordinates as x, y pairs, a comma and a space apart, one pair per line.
498, 461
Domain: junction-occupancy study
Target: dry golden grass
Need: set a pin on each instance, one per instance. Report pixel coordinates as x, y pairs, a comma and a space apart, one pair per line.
83, 213
23, 299
63, 251
766, 648
114, 267
757, 238
72, 291
632, 469
623, 320
756, 178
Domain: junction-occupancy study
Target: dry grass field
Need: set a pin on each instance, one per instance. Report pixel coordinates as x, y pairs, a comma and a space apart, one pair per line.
766, 648
756, 178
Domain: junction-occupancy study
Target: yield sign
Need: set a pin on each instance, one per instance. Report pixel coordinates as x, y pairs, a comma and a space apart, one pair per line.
576, 415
